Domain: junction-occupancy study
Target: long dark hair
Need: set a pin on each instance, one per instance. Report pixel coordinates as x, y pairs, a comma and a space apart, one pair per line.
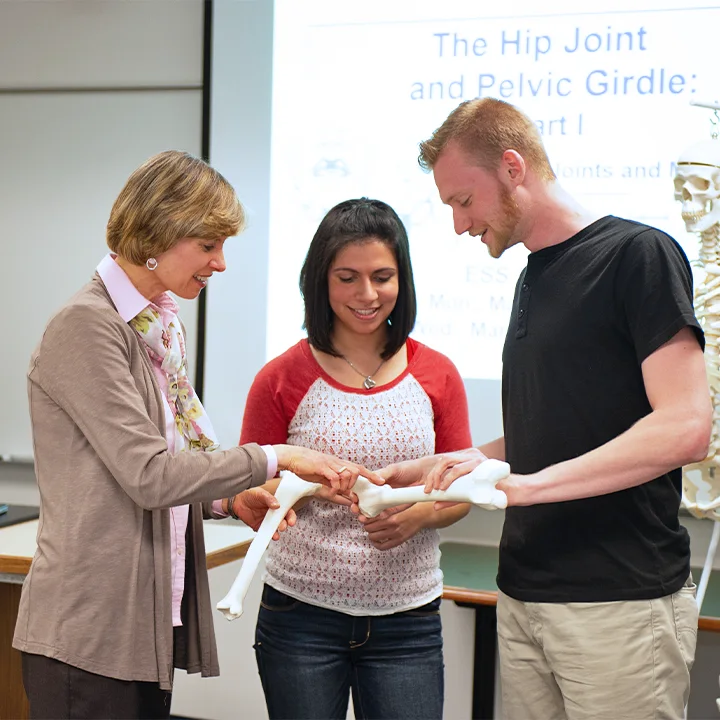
350, 222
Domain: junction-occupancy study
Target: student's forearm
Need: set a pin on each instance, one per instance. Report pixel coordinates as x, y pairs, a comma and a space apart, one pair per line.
436, 519
494, 449
448, 516
656, 444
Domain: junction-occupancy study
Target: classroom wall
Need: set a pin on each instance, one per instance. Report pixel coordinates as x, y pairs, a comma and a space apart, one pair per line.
87, 91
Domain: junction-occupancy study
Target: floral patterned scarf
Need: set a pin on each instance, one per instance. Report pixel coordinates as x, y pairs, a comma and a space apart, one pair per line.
193, 429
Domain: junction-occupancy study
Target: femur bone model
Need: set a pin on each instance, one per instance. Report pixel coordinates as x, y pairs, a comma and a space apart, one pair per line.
478, 487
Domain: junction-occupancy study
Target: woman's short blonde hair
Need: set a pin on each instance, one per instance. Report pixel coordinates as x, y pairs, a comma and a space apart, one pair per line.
171, 196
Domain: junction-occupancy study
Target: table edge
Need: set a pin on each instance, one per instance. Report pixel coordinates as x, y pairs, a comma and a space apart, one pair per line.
489, 597
15, 565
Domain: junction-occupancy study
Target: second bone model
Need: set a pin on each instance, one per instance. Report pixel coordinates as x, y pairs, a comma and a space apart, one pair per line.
478, 487
290, 489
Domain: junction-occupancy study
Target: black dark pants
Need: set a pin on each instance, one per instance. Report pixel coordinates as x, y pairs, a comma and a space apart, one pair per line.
59, 691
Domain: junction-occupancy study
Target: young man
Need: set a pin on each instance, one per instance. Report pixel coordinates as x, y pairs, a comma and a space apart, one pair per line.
604, 399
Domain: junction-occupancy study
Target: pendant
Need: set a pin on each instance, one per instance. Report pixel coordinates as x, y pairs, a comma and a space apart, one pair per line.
369, 383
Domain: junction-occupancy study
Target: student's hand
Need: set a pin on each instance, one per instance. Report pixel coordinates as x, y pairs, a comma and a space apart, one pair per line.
252, 505
515, 487
392, 527
409, 472
450, 466
327, 494
315, 466
330, 495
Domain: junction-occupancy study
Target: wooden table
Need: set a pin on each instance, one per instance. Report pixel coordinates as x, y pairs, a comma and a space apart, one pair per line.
224, 542
470, 572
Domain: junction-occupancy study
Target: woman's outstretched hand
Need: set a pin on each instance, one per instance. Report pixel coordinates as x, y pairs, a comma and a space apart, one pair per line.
314, 466
392, 527
252, 505
450, 466
408, 472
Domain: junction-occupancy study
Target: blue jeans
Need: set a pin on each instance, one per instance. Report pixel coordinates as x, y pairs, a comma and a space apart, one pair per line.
309, 659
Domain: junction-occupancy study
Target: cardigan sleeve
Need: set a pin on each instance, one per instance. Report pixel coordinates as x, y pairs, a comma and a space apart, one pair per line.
85, 365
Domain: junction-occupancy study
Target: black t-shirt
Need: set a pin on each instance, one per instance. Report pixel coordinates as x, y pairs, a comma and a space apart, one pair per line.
586, 313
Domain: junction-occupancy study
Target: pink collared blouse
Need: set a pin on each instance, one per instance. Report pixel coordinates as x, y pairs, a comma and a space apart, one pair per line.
129, 302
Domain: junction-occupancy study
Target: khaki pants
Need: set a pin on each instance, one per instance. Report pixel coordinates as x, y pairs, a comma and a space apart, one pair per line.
626, 660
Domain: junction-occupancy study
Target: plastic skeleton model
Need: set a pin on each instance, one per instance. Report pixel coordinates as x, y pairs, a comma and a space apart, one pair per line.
478, 487
697, 186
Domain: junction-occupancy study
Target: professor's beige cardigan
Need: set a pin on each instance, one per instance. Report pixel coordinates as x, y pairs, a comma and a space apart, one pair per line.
98, 592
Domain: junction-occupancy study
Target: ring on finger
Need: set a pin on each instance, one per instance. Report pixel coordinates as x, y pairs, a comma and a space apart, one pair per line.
342, 470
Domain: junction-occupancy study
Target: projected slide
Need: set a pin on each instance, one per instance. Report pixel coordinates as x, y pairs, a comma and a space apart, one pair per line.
358, 85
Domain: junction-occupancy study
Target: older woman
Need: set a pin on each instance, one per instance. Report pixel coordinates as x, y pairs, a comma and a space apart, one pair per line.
127, 463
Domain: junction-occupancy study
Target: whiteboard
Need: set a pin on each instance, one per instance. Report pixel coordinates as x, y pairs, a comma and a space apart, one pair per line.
65, 158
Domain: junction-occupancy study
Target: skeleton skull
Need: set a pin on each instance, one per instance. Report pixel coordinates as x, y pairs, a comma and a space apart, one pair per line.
697, 185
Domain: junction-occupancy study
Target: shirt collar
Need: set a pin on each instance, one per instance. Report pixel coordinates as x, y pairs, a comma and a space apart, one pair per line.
128, 300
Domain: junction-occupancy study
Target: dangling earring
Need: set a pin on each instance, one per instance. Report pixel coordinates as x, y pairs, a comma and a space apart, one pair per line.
151, 263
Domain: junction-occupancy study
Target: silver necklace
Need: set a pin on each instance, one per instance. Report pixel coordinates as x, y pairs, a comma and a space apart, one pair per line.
368, 382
